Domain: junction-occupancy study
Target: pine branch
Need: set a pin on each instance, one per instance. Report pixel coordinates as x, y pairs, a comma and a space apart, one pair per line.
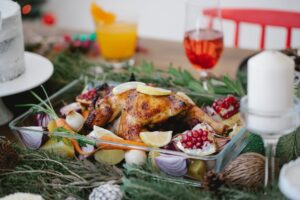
55, 177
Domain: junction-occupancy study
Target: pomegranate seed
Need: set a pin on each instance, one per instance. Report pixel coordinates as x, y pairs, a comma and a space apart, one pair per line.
183, 138
189, 144
231, 99
199, 139
223, 105
204, 138
198, 145
188, 138
194, 140
200, 132
205, 133
195, 134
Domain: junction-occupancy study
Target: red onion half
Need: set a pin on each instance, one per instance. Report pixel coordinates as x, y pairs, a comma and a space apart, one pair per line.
172, 165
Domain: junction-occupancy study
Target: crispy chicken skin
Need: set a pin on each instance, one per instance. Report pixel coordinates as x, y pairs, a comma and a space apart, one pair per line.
137, 111
140, 110
196, 115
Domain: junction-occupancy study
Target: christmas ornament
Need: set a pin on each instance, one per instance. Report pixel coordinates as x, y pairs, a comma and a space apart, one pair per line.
247, 170
31, 8
108, 191
255, 145
8, 156
48, 19
289, 179
22, 196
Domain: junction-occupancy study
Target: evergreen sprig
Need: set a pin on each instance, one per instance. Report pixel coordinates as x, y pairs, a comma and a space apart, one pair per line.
55, 177
142, 183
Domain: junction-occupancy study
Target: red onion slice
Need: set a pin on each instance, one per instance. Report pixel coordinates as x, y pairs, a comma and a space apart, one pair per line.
172, 165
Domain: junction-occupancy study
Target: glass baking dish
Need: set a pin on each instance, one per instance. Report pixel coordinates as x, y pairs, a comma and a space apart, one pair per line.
67, 95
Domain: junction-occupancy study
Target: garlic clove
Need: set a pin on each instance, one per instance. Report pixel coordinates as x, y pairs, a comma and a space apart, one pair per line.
88, 148
135, 157
75, 120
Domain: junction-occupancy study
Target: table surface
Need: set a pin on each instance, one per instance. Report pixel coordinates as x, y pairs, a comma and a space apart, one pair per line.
162, 53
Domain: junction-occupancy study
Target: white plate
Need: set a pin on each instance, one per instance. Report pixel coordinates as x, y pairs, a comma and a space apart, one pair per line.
38, 69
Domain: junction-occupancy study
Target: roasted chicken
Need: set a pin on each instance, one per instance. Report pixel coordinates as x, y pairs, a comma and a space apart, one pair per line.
133, 112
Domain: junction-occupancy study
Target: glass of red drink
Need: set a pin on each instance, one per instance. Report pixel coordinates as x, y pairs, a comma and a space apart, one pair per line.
203, 38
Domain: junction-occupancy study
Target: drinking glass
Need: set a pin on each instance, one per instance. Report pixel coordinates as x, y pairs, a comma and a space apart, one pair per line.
203, 38
117, 40
270, 126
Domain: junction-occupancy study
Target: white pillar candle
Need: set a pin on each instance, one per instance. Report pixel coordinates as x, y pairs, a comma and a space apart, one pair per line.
270, 89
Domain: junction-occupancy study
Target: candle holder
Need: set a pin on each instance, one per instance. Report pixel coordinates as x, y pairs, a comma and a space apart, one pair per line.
270, 126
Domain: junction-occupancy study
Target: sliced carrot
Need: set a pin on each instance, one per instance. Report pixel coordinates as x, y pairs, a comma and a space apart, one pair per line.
60, 122
120, 141
85, 114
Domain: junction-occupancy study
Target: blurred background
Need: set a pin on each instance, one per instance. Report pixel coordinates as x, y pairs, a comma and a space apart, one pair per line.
164, 19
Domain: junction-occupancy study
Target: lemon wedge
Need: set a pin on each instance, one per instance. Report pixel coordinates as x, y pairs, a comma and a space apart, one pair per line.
126, 86
51, 126
185, 97
62, 147
156, 138
110, 157
99, 132
154, 91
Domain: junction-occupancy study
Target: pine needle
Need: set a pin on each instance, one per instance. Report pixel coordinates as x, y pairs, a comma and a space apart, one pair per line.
55, 177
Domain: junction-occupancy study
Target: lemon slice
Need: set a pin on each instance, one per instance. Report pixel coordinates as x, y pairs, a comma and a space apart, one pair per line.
185, 97
126, 86
62, 147
51, 126
99, 132
155, 91
152, 155
156, 138
111, 157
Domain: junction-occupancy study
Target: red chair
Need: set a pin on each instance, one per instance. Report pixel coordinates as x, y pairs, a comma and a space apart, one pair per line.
261, 17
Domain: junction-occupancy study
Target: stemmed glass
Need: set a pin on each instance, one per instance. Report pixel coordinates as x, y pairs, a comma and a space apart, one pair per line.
270, 126
203, 38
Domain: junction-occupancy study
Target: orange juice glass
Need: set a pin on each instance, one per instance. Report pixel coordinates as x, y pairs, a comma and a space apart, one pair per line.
117, 40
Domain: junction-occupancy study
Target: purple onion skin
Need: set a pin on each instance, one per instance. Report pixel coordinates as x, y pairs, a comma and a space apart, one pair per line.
172, 165
42, 119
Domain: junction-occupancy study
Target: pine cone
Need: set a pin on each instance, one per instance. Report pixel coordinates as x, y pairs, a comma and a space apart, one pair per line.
107, 191
212, 181
247, 170
8, 156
